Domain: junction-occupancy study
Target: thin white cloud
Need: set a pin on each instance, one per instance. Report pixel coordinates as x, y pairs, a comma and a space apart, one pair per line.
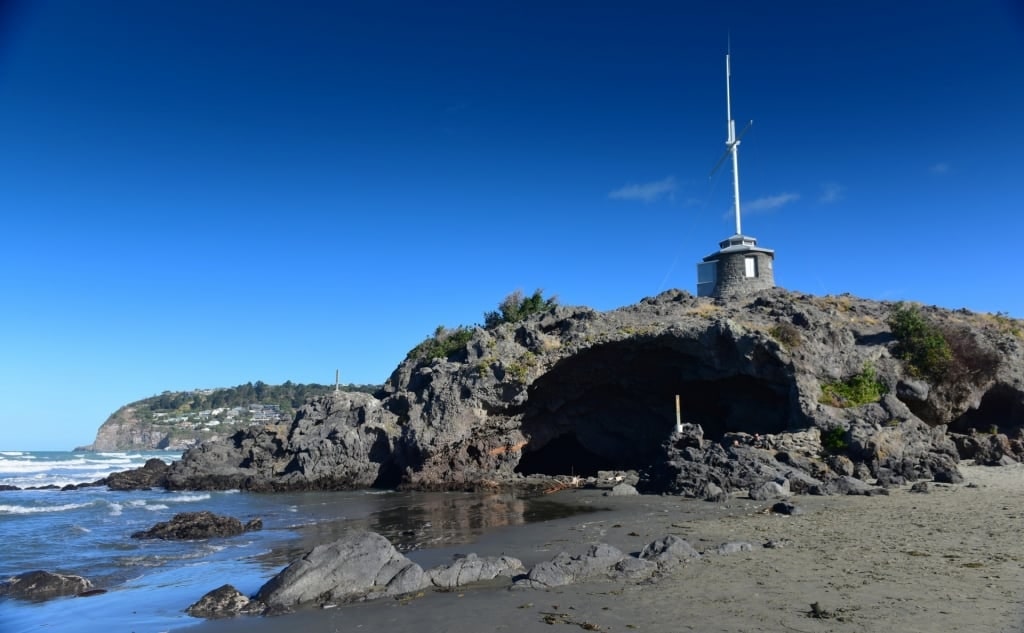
645, 192
939, 168
831, 192
767, 203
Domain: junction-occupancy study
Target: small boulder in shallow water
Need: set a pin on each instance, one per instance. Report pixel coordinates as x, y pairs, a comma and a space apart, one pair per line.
197, 525
43, 585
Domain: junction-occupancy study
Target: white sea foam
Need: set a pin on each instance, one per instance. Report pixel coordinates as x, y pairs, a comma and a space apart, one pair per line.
115, 509
11, 453
16, 509
156, 507
24, 466
187, 498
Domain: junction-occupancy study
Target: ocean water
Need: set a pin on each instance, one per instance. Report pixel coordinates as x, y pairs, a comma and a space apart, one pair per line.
149, 583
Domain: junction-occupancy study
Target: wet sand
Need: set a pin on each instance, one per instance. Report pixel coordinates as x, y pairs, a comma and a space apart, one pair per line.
948, 560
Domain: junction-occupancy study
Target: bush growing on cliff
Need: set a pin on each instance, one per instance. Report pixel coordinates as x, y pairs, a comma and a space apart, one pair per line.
943, 353
921, 343
516, 307
860, 389
787, 334
833, 440
443, 344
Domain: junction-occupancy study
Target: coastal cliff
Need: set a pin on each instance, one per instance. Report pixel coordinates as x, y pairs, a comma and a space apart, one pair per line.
799, 390
177, 420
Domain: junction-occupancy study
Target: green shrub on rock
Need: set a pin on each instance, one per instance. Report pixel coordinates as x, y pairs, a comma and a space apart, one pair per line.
443, 344
515, 307
859, 389
921, 343
833, 440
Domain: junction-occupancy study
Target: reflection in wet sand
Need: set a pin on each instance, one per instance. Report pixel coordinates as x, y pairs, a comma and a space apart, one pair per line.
421, 520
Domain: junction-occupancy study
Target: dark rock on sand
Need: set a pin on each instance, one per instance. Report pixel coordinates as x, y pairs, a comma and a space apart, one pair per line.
358, 566
43, 585
987, 449
470, 569
197, 525
788, 508
224, 602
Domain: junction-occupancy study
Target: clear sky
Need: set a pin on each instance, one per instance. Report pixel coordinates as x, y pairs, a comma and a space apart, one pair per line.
202, 193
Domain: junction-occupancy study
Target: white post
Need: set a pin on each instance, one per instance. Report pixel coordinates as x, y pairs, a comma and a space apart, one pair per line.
733, 144
679, 419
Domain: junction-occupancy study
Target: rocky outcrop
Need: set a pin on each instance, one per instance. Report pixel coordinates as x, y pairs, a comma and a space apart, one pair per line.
574, 391
152, 475
346, 440
123, 429
187, 526
358, 566
37, 586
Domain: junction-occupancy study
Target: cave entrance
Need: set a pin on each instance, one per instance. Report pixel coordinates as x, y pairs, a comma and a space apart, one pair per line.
1002, 408
611, 407
564, 452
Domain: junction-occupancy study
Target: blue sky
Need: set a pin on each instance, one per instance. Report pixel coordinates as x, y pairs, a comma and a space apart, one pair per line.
205, 193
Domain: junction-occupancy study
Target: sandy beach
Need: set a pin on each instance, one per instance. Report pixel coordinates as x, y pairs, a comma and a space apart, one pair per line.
951, 559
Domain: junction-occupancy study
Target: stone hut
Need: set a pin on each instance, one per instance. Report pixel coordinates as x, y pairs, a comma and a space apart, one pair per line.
738, 268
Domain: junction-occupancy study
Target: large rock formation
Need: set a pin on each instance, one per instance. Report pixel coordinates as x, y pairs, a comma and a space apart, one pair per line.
573, 391
358, 566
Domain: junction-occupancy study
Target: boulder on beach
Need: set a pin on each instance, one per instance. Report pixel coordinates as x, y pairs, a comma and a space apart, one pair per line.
358, 566
564, 569
187, 526
668, 551
470, 569
43, 585
224, 602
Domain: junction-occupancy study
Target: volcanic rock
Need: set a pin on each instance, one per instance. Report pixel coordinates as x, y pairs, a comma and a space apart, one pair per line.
573, 392
359, 565
150, 475
38, 586
470, 569
197, 525
224, 602
564, 569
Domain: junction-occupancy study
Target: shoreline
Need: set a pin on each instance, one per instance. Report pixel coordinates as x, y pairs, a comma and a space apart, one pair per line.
948, 560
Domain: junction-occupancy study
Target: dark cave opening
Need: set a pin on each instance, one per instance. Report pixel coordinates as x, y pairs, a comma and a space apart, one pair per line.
1002, 408
611, 407
564, 455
